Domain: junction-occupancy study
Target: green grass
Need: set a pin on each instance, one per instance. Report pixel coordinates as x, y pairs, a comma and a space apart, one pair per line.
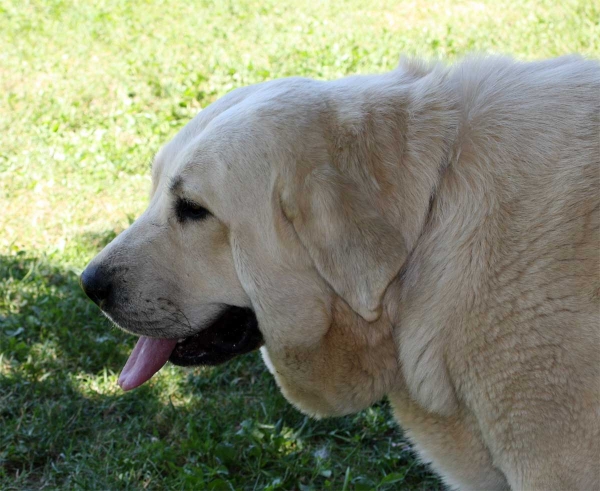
87, 95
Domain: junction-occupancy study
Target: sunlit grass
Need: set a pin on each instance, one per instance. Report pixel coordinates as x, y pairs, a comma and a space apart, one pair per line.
89, 91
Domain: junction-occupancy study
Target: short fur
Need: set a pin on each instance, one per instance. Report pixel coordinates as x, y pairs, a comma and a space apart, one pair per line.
430, 235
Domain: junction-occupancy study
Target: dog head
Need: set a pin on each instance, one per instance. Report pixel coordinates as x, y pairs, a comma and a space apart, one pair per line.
275, 219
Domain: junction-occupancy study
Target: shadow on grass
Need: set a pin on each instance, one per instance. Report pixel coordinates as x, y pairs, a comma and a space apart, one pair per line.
63, 423
46, 317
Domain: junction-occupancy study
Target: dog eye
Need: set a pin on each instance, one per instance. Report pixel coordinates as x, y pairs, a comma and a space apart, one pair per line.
188, 210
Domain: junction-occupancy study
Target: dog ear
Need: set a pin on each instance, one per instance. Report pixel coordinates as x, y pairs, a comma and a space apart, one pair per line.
364, 170
340, 218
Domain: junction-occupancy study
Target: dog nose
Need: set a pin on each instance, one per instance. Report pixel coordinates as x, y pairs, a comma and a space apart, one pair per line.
95, 284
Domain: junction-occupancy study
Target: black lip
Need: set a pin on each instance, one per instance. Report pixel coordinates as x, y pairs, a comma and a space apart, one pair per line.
235, 332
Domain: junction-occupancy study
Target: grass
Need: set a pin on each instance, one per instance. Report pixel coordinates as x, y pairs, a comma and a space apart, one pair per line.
88, 92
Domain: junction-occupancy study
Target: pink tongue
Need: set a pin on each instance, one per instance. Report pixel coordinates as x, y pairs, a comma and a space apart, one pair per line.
147, 358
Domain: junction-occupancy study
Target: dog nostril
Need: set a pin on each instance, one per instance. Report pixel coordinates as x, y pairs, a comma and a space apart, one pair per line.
95, 284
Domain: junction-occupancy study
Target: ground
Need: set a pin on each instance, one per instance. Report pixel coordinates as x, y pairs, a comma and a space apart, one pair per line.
88, 93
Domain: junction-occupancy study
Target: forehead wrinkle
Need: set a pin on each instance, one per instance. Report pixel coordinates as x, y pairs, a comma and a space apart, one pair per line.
177, 182
176, 185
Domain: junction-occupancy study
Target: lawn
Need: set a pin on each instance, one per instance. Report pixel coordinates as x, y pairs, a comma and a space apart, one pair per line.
89, 91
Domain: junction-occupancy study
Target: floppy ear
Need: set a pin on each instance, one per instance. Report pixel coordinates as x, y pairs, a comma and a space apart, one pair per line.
339, 218
364, 170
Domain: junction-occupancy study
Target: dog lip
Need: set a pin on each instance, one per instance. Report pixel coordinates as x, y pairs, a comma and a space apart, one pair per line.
233, 333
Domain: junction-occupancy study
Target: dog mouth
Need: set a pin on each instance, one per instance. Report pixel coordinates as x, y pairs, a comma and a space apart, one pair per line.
235, 332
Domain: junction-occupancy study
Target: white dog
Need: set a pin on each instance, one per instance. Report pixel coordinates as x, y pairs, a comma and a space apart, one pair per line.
430, 235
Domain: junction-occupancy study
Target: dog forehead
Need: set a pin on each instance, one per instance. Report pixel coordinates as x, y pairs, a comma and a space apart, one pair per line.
234, 145
169, 155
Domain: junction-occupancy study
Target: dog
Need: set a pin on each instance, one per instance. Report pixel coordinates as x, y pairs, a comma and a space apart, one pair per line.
429, 235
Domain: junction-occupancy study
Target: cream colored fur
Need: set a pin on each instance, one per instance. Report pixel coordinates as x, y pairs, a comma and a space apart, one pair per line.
430, 235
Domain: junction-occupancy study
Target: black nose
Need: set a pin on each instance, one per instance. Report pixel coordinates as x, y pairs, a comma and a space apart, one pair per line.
95, 284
